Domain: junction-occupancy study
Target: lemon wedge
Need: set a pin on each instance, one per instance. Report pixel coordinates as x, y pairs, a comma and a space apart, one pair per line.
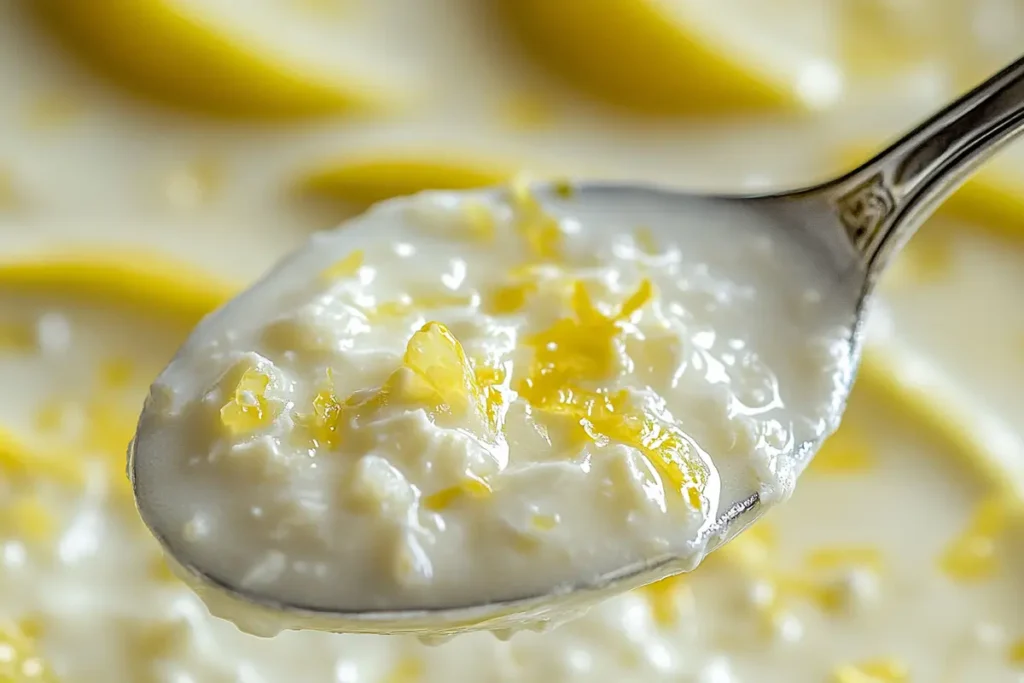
686, 56
373, 178
170, 52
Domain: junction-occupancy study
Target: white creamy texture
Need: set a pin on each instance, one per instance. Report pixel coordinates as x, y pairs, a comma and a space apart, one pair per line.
93, 589
98, 611
453, 400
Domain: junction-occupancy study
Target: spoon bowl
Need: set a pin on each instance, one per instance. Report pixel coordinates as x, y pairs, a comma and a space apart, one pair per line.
851, 226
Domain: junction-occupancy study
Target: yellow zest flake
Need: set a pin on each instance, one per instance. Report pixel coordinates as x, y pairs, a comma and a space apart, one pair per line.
30, 519
444, 379
578, 349
543, 237
408, 305
663, 598
581, 349
645, 240
540, 230
563, 188
408, 670
248, 409
323, 425
159, 570
50, 417
825, 595
509, 298
16, 459
886, 670
32, 626
17, 337
972, 555
436, 374
544, 522
116, 373
344, 268
1016, 653
471, 488
19, 660
480, 221
827, 559
843, 453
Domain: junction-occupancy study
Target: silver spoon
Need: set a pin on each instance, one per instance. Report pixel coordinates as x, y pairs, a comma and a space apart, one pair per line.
854, 224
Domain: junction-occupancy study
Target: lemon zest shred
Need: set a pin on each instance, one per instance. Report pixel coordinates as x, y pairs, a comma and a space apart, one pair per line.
885, 670
582, 349
1016, 652
541, 231
663, 599
544, 522
408, 305
480, 221
509, 298
116, 373
972, 555
17, 459
248, 408
29, 518
840, 557
445, 498
22, 662
436, 374
323, 423
407, 670
645, 240
345, 267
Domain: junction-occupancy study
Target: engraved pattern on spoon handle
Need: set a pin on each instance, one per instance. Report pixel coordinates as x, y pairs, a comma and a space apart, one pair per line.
882, 203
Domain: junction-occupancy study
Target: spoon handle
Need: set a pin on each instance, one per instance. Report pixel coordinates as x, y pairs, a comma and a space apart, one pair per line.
882, 203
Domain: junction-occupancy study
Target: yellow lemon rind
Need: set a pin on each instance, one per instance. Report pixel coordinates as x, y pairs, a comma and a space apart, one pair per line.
157, 51
631, 53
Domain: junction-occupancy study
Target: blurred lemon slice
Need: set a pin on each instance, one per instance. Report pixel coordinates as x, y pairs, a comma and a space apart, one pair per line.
141, 280
175, 53
365, 180
688, 56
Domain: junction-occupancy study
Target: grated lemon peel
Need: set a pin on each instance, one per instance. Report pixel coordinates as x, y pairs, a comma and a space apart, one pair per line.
248, 409
886, 670
422, 302
1016, 653
19, 460
972, 555
345, 267
408, 670
19, 659
663, 599
582, 349
322, 423
842, 557
471, 488
435, 374
540, 230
